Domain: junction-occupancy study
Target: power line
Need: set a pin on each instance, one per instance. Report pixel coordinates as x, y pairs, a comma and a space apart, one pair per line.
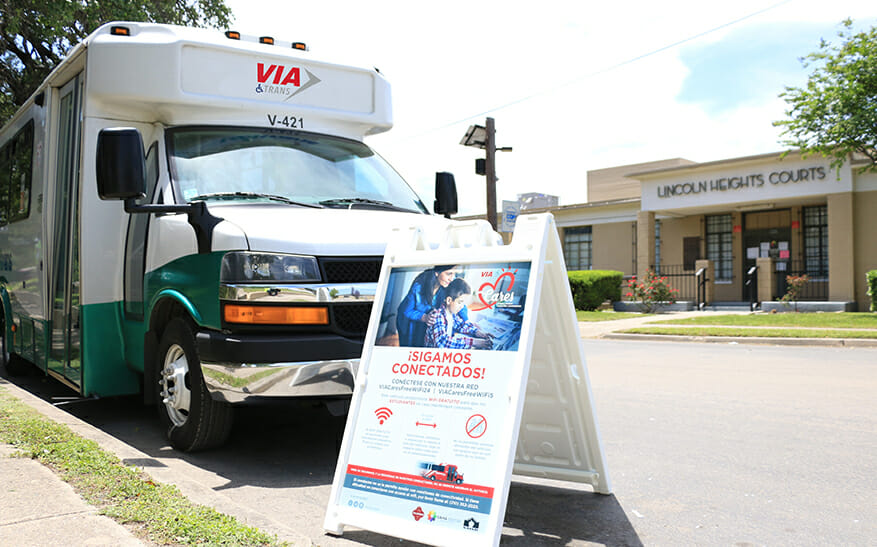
601, 71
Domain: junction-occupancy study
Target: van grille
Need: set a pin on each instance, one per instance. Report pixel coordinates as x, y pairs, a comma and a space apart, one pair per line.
351, 269
352, 319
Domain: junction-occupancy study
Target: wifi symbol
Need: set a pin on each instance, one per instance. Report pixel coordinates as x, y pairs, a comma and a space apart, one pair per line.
383, 413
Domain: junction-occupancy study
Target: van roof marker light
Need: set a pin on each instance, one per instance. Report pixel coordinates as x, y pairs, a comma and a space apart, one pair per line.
299, 45
266, 40
120, 31
233, 35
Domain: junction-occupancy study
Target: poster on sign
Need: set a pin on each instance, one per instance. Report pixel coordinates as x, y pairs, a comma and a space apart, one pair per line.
438, 391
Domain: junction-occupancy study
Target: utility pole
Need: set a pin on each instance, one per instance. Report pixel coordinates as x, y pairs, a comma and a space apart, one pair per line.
490, 171
485, 137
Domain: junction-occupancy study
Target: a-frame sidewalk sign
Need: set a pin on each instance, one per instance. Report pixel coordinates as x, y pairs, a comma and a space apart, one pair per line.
449, 404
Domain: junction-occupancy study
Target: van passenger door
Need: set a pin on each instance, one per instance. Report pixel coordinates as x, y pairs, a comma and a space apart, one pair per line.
64, 354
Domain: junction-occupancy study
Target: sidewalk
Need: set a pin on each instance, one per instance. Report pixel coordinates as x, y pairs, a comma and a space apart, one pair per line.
39, 509
600, 329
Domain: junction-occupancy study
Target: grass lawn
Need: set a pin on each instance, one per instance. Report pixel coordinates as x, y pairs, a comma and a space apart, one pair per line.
606, 315
843, 320
157, 511
755, 332
778, 325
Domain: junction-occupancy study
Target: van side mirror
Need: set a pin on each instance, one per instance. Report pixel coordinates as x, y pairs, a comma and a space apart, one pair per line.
121, 168
445, 194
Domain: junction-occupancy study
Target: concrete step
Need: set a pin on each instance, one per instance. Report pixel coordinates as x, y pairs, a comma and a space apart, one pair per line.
728, 306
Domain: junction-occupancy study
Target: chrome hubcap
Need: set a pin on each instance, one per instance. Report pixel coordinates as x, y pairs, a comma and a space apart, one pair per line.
175, 395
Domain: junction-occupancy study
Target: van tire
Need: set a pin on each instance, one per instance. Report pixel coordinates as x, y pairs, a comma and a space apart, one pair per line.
194, 421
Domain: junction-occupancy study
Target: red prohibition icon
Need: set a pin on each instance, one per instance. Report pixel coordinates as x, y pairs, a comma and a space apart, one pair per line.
476, 425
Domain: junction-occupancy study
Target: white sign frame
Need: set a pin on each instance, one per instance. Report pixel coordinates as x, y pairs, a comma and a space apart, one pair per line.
549, 412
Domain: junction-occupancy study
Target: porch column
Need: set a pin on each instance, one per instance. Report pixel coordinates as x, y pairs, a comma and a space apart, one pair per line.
645, 242
710, 292
766, 279
841, 250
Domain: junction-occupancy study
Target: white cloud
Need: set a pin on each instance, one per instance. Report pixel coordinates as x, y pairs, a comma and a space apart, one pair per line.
579, 99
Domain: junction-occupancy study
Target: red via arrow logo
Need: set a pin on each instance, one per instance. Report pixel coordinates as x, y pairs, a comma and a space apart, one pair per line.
417, 514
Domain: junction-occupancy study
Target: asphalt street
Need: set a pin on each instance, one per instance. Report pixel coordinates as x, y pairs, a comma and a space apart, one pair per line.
707, 444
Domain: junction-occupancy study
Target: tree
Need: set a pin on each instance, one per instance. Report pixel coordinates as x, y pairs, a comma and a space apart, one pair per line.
835, 115
37, 34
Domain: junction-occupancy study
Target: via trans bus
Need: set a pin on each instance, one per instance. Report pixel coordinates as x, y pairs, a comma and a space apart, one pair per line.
195, 217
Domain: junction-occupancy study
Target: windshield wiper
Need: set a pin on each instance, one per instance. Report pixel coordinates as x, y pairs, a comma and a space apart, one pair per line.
254, 195
350, 202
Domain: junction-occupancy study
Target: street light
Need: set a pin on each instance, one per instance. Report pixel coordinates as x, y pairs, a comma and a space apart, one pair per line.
484, 137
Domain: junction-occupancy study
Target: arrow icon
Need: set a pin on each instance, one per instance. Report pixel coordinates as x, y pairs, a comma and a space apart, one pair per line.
312, 80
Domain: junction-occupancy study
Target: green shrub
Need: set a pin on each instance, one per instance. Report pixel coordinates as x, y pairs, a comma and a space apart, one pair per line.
590, 288
872, 288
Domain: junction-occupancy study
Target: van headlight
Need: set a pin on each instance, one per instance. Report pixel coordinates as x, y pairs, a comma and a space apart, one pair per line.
246, 267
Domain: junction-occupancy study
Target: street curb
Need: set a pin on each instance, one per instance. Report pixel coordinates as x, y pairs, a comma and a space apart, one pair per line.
130, 456
823, 342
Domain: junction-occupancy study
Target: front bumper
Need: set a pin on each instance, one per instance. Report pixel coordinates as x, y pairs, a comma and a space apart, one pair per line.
249, 368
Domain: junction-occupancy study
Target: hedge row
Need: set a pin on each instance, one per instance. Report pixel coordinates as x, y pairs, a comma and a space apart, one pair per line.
872, 288
590, 288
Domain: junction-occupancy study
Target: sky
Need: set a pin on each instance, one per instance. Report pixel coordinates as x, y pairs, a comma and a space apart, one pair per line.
572, 85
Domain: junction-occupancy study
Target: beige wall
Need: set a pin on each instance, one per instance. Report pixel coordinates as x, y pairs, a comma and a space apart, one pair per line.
612, 183
841, 240
645, 242
865, 226
673, 231
613, 246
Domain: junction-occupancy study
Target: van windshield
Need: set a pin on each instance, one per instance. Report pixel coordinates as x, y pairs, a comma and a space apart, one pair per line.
284, 166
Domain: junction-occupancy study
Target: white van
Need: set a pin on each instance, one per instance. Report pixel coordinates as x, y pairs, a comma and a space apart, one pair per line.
194, 216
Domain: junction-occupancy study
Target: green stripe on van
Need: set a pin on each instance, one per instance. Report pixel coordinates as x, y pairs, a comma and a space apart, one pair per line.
193, 281
105, 372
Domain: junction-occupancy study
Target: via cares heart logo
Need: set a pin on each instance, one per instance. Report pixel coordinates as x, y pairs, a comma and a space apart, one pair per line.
489, 294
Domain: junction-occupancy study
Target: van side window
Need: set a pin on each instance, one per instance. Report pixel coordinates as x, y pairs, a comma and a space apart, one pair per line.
16, 172
22, 173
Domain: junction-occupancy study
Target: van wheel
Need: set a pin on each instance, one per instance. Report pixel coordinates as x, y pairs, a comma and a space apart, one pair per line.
14, 365
193, 419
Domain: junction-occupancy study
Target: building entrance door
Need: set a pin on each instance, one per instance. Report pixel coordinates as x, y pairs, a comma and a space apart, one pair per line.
767, 234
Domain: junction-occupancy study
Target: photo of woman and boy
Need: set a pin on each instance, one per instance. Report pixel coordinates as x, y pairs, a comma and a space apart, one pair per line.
438, 308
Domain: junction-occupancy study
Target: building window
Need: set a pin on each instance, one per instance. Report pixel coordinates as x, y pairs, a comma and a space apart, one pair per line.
816, 241
577, 248
719, 247
657, 246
